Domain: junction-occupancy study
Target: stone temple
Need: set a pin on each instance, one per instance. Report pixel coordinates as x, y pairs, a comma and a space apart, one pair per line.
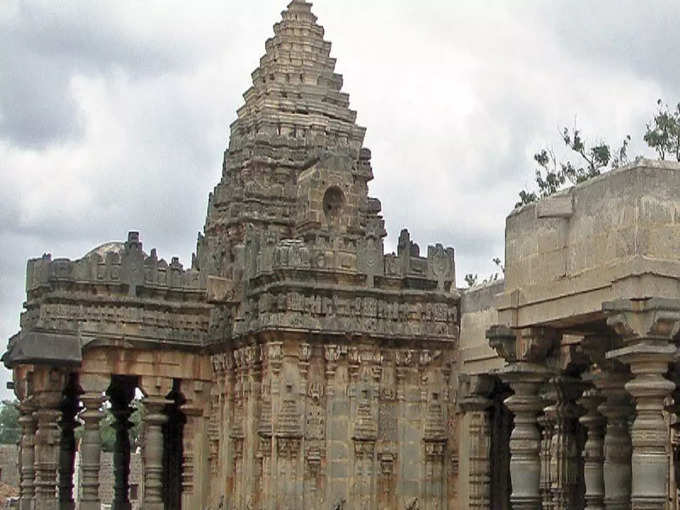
295, 365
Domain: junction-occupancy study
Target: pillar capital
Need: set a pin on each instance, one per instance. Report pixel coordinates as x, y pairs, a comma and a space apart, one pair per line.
476, 391
196, 395
530, 345
652, 320
155, 387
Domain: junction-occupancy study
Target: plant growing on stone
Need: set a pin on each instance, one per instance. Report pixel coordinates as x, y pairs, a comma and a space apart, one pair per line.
662, 135
590, 161
471, 280
663, 132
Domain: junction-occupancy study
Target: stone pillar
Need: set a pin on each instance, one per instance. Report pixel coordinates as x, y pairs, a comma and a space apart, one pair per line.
593, 454
48, 386
525, 352
67, 451
564, 451
94, 387
194, 458
525, 441
46, 457
121, 394
27, 458
647, 328
617, 446
649, 434
155, 391
673, 409
476, 406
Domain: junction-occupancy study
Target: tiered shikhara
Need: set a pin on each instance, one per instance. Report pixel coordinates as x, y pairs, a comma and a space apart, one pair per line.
295, 365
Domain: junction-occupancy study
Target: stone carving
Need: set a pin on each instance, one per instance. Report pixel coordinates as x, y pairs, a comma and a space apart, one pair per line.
293, 355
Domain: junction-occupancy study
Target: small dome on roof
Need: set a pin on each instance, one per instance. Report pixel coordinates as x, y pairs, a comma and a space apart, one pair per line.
111, 247
117, 247
101, 250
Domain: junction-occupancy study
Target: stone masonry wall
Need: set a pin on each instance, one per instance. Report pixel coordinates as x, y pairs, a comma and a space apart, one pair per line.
333, 426
478, 313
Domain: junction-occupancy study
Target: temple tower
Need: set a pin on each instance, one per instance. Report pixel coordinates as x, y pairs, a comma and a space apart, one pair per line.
294, 365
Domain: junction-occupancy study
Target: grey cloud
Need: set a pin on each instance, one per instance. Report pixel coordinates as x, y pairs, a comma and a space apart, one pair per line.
642, 37
44, 45
36, 105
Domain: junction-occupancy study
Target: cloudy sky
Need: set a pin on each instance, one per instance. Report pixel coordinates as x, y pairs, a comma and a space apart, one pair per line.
114, 114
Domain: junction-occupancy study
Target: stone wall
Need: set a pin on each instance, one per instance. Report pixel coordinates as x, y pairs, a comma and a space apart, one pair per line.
612, 236
336, 426
478, 314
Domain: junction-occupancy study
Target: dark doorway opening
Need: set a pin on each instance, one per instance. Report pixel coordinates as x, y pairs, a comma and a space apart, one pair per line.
172, 450
501, 428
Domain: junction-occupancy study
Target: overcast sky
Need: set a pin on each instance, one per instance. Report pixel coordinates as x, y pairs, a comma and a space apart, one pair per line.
114, 114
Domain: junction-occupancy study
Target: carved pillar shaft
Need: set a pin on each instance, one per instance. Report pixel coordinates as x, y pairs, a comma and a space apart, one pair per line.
154, 419
477, 408
194, 461
27, 459
617, 445
525, 440
48, 385
46, 457
649, 433
90, 449
564, 453
480, 478
593, 454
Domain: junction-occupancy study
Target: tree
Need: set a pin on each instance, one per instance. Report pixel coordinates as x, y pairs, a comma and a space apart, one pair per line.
471, 280
591, 161
10, 431
663, 133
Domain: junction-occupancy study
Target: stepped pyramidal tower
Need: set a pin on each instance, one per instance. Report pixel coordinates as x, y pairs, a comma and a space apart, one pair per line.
294, 365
